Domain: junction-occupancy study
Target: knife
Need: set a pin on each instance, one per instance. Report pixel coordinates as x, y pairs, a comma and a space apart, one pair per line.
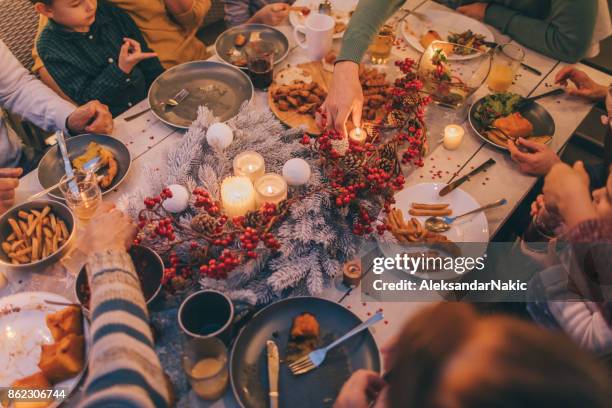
273, 366
529, 68
450, 187
61, 142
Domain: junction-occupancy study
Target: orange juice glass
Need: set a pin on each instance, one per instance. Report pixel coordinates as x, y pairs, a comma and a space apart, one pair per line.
506, 61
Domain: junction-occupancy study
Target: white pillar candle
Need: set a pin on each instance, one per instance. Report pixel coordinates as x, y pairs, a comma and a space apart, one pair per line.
237, 196
270, 188
358, 135
249, 164
453, 134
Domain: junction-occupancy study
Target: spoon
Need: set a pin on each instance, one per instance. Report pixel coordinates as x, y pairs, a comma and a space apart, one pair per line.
441, 224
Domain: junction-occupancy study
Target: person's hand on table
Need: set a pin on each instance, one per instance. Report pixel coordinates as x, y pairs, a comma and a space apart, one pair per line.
345, 97
271, 14
537, 161
584, 86
109, 229
361, 388
567, 188
476, 11
93, 117
9, 181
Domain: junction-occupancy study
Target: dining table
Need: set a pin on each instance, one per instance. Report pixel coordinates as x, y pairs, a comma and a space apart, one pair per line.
149, 140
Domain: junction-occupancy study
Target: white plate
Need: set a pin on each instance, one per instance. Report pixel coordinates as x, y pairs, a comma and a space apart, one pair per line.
23, 330
341, 10
443, 22
473, 228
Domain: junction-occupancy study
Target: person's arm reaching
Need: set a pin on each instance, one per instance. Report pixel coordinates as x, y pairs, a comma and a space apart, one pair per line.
24, 95
565, 34
123, 369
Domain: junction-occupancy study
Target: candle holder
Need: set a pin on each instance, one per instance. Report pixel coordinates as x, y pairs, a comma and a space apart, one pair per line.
358, 135
453, 135
270, 188
249, 164
237, 196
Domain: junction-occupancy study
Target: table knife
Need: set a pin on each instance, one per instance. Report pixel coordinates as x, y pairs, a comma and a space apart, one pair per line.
61, 142
529, 68
450, 187
273, 367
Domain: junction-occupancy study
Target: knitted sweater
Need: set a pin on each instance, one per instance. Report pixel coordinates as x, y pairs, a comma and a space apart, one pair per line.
124, 370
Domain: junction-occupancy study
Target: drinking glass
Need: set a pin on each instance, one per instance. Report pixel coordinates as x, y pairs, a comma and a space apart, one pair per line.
82, 195
205, 364
506, 61
381, 46
260, 62
540, 231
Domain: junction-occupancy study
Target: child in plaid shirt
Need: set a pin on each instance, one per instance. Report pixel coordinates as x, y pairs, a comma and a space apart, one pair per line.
96, 52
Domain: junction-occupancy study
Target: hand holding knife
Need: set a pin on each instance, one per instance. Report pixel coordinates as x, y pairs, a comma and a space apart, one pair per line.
453, 185
273, 367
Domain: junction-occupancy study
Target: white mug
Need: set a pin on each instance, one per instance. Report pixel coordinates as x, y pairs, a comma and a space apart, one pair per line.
319, 31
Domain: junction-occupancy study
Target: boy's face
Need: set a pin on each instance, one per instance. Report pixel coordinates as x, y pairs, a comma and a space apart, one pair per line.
77, 15
602, 199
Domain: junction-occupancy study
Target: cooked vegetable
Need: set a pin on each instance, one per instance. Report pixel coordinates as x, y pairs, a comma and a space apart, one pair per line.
467, 39
495, 106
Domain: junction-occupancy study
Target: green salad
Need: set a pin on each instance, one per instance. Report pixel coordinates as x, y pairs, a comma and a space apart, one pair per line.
496, 106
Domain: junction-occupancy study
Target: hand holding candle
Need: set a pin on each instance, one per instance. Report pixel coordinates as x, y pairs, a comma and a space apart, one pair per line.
453, 135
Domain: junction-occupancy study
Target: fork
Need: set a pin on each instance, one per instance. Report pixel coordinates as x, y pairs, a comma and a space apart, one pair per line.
174, 101
315, 358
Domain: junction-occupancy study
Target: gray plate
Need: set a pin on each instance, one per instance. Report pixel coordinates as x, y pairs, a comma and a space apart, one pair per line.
51, 167
216, 85
225, 42
543, 123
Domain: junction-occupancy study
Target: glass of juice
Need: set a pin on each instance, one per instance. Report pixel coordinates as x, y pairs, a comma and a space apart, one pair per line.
205, 363
82, 195
506, 61
260, 63
381, 46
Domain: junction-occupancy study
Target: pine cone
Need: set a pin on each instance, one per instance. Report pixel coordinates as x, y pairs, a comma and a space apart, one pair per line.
352, 162
395, 119
253, 219
388, 157
204, 223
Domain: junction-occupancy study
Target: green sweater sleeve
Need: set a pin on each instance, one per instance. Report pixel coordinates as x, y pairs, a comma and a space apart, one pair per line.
369, 16
565, 34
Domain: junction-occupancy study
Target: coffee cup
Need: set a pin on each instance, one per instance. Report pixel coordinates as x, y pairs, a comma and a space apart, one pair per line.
318, 30
206, 314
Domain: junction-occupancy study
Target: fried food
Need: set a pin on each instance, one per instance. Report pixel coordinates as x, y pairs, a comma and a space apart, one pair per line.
107, 159
240, 40
65, 322
339, 27
429, 37
423, 206
36, 381
303, 337
514, 125
376, 90
64, 359
413, 231
303, 98
36, 239
434, 213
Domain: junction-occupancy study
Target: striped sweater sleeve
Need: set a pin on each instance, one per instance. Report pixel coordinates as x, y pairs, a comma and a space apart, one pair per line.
124, 370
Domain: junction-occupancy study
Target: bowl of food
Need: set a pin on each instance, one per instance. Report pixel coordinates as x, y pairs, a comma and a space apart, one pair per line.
149, 267
35, 234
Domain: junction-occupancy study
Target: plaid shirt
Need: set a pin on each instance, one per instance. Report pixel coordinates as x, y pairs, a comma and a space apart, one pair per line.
239, 11
84, 65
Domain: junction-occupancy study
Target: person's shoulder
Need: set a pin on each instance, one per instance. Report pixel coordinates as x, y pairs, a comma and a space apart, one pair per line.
106, 8
49, 40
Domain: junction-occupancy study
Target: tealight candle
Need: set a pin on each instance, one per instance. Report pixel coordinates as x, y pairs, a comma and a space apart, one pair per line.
270, 188
453, 134
249, 164
237, 196
358, 135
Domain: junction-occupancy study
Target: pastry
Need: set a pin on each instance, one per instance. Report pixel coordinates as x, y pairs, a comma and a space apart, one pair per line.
64, 322
303, 337
304, 98
64, 359
35, 381
107, 159
514, 125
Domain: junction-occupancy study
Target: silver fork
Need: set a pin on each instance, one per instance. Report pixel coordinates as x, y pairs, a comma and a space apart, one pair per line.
316, 358
174, 101
90, 167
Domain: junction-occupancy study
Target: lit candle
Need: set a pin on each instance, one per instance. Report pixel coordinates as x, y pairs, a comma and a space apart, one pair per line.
270, 188
358, 135
249, 164
453, 134
237, 196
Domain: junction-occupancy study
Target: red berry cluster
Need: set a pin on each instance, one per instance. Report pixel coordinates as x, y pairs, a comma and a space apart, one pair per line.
203, 200
221, 267
363, 225
171, 271
151, 202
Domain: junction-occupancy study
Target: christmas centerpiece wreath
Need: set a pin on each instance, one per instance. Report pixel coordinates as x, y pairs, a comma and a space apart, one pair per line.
299, 245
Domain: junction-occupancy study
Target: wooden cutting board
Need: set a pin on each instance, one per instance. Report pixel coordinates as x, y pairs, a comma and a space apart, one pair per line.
292, 118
